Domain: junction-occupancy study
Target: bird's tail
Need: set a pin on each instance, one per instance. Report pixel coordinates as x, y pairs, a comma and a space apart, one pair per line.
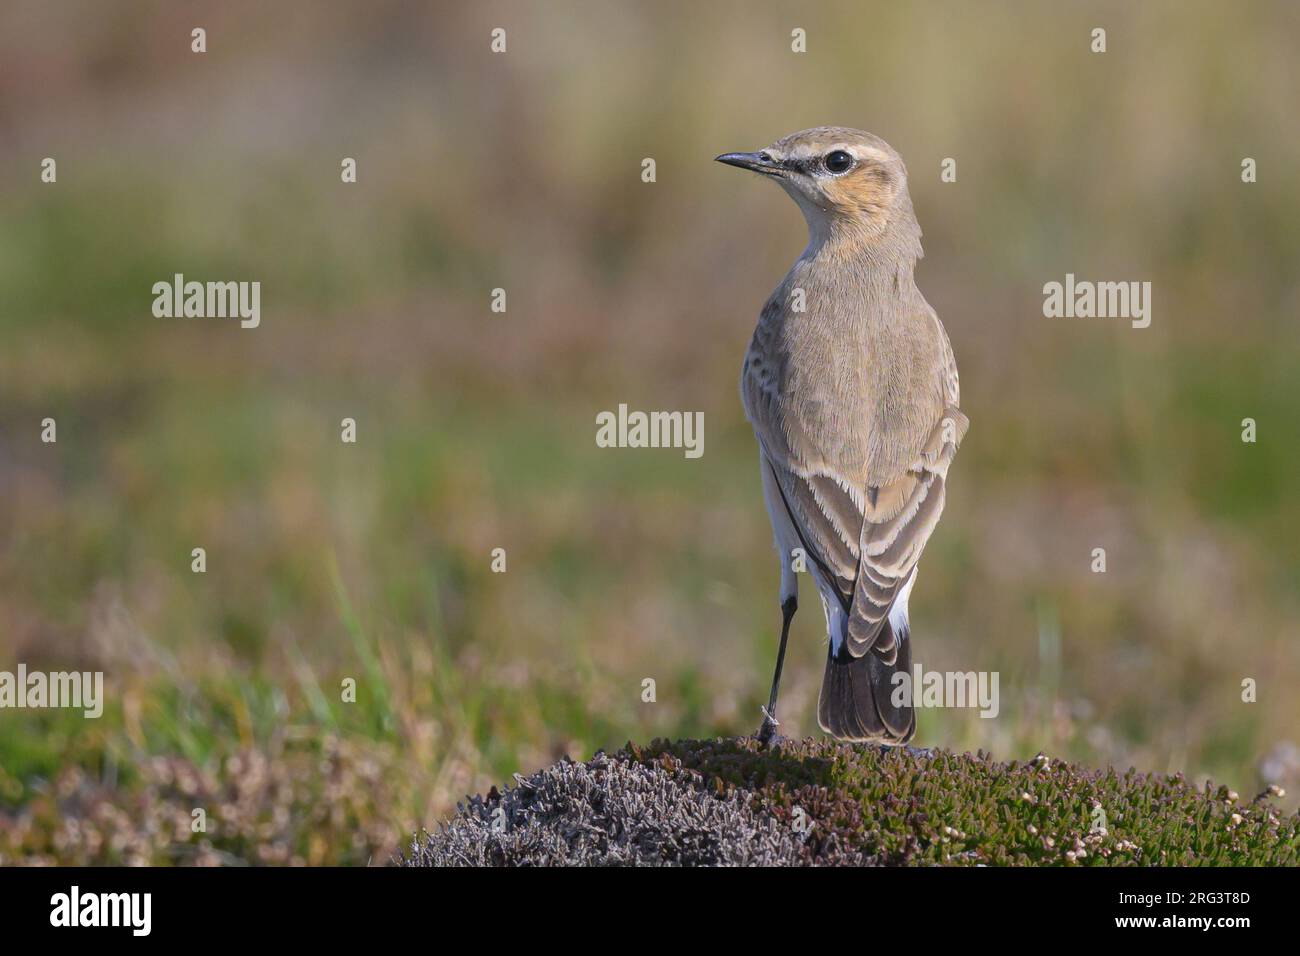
858, 694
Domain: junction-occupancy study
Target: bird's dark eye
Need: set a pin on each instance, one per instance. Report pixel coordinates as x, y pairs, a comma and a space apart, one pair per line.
838, 161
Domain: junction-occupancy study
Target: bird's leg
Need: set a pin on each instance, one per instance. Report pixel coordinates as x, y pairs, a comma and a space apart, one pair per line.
767, 732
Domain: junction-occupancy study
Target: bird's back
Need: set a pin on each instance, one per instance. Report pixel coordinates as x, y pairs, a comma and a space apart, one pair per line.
855, 381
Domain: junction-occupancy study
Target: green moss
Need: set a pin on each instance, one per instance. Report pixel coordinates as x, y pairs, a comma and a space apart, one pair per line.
937, 807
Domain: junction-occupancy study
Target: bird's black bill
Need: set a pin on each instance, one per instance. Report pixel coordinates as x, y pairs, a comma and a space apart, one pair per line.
757, 162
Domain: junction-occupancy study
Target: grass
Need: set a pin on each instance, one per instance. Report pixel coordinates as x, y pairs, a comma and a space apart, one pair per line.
323, 567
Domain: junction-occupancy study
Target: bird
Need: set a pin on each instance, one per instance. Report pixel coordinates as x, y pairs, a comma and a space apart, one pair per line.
851, 387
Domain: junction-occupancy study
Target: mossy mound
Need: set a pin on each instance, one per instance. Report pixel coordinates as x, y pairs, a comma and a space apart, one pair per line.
814, 802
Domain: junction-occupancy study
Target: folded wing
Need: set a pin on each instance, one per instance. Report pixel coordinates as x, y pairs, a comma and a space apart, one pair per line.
866, 542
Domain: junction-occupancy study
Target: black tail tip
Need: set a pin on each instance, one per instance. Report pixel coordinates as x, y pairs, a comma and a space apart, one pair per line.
857, 699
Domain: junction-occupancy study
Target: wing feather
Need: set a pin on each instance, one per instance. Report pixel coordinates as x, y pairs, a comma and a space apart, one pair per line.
867, 553
865, 540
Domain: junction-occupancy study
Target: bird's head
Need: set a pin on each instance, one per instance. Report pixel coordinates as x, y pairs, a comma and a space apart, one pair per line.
845, 181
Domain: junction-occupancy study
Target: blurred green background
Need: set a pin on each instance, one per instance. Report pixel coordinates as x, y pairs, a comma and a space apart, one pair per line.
476, 429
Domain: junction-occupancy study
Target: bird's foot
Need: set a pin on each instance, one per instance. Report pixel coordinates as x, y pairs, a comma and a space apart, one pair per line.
906, 748
767, 735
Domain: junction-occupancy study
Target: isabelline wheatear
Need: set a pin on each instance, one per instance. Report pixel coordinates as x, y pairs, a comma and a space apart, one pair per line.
851, 387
